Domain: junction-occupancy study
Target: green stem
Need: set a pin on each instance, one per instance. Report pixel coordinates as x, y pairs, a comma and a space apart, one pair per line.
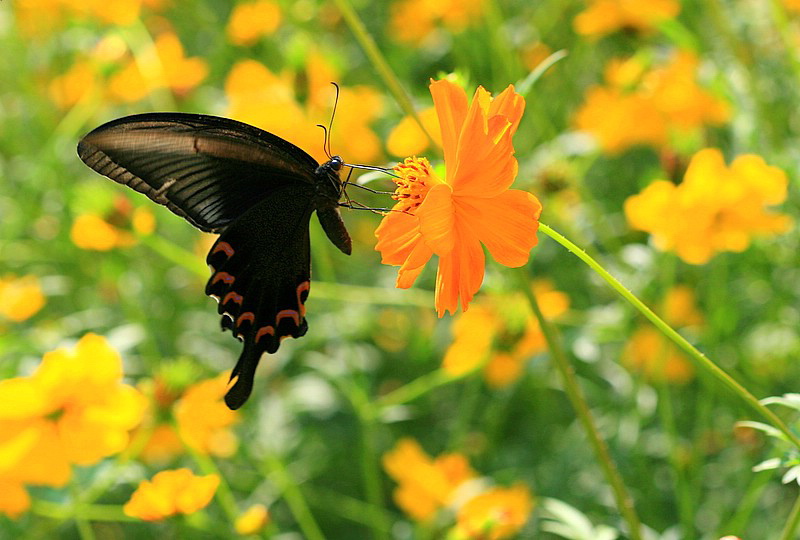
294, 498
379, 62
576, 397
699, 358
790, 529
416, 388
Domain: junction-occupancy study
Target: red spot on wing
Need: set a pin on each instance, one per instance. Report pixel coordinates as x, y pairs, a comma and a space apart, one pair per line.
224, 277
233, 295
290, 313
264, 330
246, 316
223, 246
303, 287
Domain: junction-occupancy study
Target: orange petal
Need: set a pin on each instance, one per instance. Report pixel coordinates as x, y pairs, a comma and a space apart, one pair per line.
506, 224
436, 215
509, 104
460, 274
486, 166
413, 265
450, 101
397, 235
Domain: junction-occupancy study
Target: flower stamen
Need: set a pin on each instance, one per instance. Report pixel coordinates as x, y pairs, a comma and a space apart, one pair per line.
415, 177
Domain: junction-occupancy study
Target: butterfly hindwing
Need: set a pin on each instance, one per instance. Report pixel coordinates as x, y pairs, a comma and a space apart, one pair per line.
206, 169
261, 270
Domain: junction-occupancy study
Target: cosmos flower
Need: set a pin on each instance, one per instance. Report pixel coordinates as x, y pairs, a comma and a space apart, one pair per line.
171, 492
471, 205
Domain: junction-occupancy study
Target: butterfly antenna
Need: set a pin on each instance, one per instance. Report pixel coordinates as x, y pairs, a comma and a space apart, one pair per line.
333, 114
325, 142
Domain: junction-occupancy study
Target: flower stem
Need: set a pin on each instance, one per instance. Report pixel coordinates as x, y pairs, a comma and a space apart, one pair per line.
576, 397
293, 496
699, 358
379, 62
790, 529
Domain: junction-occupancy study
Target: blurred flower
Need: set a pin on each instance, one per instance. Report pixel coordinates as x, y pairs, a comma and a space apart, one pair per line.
171, 492
201, 420
414, 20
90, 231
471, 206
638, 106
204, 420
264, 99
93, 232
38, 18
424, 484
716, 208
495, 514
162, 65
792, 5
408, 139
251, 21
603, 17
253, 520
69, 88
73, 409
649, 352
501, 335
20, 297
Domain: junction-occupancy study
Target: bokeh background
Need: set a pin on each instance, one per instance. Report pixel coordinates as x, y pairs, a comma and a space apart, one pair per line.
386, 421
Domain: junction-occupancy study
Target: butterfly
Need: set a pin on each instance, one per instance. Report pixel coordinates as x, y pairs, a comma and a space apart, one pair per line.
254, 189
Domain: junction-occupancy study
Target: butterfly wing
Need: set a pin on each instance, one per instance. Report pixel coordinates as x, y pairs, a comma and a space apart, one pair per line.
205, 169
261, 267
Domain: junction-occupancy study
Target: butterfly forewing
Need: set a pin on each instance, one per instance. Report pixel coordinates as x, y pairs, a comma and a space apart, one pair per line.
203, 168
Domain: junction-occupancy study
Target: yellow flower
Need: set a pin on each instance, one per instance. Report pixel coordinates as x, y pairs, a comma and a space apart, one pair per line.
253, 520
20, 297
606, 16
495, 514
638, 106
264, 99
73, 409
792, 5
163, 65
649, 352
204, 420
251, 21
499, 334
171, 492
90, 231
425, 485
14, 499
414, 20
408, 139
716, 208
472, 205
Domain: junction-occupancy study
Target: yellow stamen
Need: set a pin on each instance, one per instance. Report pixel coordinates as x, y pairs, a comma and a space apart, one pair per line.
416, 177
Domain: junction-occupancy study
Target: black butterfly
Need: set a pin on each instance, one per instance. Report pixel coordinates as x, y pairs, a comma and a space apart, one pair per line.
256, 190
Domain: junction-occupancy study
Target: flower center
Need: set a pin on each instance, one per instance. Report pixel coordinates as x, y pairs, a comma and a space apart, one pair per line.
416, 178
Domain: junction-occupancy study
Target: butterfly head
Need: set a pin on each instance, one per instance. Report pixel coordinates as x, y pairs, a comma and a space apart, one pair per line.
331, 184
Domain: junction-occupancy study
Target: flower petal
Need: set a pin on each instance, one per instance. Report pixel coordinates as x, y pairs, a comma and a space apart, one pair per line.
509, 104
413, 265
460, 273
486, 165
436, 215
506, 224
450, 101
397, 235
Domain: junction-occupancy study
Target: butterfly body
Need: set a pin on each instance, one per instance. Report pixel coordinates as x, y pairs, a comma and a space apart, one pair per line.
253, 188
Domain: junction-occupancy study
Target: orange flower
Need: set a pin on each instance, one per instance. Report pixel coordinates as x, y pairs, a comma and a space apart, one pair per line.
414, 20
424, 485
171, 492
500, 334
605, 16
204, 420
251, 21
408, 139
495, 514
641, 106
261, 98
657, 358
253, 520
716, 208
20, 298
73, 409
472, 205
